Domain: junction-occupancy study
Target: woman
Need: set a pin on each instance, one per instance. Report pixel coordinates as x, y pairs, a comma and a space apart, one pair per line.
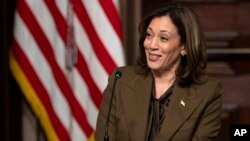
167, 96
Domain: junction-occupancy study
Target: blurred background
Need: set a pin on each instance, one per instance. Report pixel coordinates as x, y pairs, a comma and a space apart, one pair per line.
226, 24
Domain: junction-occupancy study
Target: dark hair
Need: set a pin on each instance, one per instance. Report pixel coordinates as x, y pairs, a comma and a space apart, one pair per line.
192, 65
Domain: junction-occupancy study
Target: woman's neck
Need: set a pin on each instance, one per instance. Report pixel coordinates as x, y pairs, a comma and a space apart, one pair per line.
166, 78
163, 82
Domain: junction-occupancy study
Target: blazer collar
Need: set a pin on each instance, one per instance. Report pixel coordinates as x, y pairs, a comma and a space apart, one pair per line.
136, 100
183, 102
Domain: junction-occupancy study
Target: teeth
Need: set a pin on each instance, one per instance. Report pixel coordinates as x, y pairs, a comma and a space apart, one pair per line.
153, 57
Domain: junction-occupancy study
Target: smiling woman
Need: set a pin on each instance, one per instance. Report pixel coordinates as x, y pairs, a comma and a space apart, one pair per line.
167, 96
184, 23
163, 48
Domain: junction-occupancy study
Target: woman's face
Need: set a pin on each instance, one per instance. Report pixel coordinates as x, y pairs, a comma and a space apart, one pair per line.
162, 45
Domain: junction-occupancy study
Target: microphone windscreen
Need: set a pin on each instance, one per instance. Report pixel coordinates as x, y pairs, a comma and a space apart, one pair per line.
118, 74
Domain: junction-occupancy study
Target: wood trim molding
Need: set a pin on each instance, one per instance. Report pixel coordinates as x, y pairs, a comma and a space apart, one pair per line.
206, 1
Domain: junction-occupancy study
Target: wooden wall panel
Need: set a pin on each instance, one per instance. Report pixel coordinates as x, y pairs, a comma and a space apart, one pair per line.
228, 21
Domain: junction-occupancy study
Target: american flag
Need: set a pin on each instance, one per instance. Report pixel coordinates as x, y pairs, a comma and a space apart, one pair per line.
62, 54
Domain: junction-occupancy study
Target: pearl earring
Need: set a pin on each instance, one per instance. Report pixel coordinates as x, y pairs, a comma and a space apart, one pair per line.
183, 54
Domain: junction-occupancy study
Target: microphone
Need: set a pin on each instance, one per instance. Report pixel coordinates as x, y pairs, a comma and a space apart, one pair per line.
118, 74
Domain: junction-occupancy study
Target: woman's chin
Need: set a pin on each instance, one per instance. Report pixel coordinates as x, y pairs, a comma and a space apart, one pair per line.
154, 68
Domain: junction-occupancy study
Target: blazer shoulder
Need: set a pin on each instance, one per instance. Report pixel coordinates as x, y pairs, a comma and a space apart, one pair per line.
212, 86
128, 72
212, 82
127, 69
213, 79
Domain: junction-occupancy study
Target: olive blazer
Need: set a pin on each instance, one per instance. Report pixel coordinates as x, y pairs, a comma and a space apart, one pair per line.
193, 112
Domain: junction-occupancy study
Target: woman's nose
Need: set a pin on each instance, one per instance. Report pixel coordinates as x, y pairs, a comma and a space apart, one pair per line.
153, 43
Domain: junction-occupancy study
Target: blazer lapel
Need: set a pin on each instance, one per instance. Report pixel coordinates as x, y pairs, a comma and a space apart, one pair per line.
183, 102
136, 99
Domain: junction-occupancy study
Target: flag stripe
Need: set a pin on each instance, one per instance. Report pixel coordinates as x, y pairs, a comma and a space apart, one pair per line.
44, 45
61, 24
116, 4
97, 45
96, 70
40, 90
38, 7
112, 15
32, 98
59, 20
62, 6
76, 133
48, 36
31, 51
81, 90
59, 76
47, 24
83, 70
102, 25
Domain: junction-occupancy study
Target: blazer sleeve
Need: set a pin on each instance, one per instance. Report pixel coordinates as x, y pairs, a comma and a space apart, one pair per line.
210, 122
103, 112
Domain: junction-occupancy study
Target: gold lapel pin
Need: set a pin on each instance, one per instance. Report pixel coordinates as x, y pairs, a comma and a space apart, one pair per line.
183, 103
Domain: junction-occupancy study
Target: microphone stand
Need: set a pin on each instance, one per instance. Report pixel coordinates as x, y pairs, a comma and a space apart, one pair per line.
106, 135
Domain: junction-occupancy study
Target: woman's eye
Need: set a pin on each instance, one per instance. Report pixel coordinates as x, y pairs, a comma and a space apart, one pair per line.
148, 35
164, 38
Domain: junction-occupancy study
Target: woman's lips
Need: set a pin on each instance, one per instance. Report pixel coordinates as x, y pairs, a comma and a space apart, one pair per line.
153, 57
